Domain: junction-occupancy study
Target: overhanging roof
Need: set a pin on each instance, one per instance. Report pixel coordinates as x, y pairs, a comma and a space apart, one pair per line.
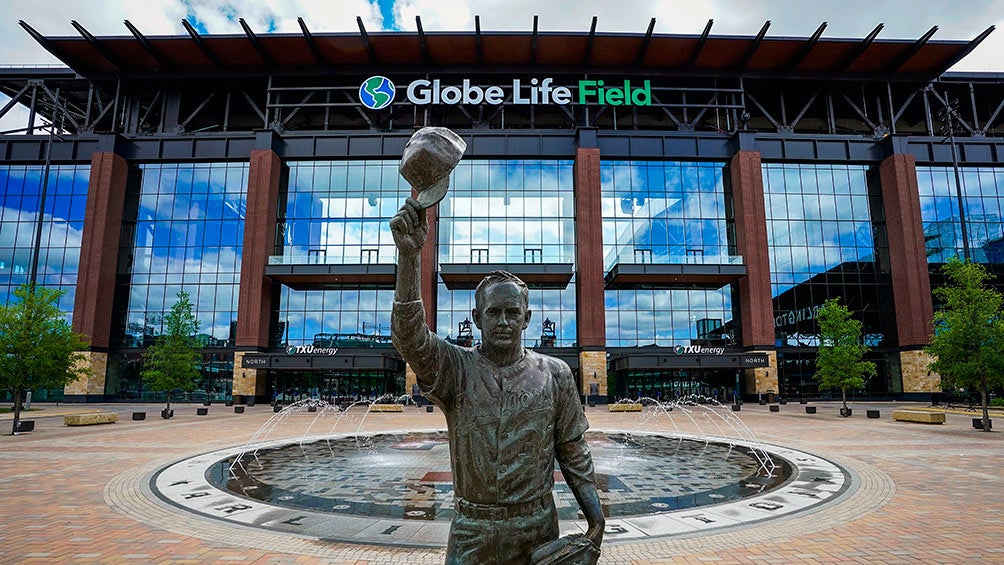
672, 276
138, 54
535, 275
325, 277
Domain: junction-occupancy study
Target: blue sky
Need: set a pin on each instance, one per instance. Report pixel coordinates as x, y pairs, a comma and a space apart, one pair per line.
847, 18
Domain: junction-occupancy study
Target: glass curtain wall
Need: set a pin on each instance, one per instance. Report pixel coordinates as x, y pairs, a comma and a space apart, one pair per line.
185, 232
665, 213
825, 234
510, 211
983, 198
42, 233
338, 213
62, 226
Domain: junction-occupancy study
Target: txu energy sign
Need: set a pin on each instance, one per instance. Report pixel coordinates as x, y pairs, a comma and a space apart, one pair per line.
519, 92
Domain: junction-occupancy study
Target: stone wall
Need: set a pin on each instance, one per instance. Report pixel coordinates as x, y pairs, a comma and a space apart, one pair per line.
590, 363
93, 384
247, 382
763, 379
916, 376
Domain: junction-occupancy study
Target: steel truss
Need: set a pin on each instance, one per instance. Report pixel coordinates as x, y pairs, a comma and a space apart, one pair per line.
794, 105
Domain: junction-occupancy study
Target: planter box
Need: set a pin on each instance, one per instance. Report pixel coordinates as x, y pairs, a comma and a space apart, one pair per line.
783, 402
429, 408
874, 414
229, 403
201, 411
386, 408
763, 403
166, 414
775, 408
803, 401
312, 408
249, 400
137, 416
207, 403
238, 409
918, 416
29, 426
626, 407
846, 412
736, 407
978, 423
90, 419
277, 408
810, 409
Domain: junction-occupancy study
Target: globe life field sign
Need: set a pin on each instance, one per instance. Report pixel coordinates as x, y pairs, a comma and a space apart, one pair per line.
374, 93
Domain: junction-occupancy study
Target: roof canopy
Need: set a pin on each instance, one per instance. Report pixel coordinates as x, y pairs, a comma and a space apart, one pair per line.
815, 55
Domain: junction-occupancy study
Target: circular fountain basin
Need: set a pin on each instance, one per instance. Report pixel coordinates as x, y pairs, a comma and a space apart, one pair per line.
397, 488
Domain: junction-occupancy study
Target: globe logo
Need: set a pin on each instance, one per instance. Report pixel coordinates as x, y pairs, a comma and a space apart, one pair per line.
376, 92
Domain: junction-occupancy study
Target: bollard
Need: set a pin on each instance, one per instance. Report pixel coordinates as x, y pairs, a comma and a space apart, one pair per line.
27, 401
775, 408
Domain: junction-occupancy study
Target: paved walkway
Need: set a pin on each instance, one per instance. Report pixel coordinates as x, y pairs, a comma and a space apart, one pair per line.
923, 493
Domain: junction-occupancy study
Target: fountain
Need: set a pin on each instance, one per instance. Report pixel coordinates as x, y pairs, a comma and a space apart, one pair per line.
682, 467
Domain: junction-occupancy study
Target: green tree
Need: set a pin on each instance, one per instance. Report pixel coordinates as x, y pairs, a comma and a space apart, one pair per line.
173, 362
839, 362
968, 342
38, 348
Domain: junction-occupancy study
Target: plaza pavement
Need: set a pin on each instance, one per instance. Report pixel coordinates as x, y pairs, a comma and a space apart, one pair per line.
923, 493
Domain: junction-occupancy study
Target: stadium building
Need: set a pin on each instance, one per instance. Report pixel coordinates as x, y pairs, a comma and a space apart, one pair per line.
680, 205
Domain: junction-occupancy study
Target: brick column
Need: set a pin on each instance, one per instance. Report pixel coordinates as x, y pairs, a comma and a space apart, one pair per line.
755, 304
254, 303
590, 315
99, 251
911, 284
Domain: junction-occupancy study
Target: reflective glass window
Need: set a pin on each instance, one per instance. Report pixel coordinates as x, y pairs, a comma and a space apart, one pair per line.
42, 230
665, 213
510, 211
188, 234
982, 190
822, 244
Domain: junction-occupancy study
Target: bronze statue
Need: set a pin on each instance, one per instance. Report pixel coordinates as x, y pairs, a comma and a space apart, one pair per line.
510, 411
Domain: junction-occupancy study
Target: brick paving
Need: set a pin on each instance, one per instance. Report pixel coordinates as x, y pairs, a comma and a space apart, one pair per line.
923, 493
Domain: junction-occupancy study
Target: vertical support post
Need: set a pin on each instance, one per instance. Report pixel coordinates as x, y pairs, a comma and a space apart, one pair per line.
591, 317
255, 299
756, 305
911, 283
99, 252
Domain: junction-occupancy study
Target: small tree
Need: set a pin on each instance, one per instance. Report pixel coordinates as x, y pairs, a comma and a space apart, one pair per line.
839, 361
968, 342
173, 361
38, 349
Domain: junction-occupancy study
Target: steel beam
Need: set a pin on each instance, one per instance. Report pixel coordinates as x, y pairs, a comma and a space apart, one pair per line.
807, 48
859, 50
421, 40
533, 43
146, 45
93, 41
202, 45
700, 44
258, 46
366, 40
909, 53
311, 43
645, 43
756, 45
972, 45
589, 43
477, 38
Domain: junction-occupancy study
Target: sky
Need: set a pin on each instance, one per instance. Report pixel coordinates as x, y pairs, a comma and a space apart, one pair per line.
903, 19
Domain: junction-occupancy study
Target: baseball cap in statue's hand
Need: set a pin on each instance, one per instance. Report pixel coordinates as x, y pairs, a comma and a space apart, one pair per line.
428, 159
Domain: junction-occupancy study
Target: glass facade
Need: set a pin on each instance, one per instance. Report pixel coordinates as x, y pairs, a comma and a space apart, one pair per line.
983, 198
665, 213
516, 211
61, 214
187, 234
338, 213
825, 235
